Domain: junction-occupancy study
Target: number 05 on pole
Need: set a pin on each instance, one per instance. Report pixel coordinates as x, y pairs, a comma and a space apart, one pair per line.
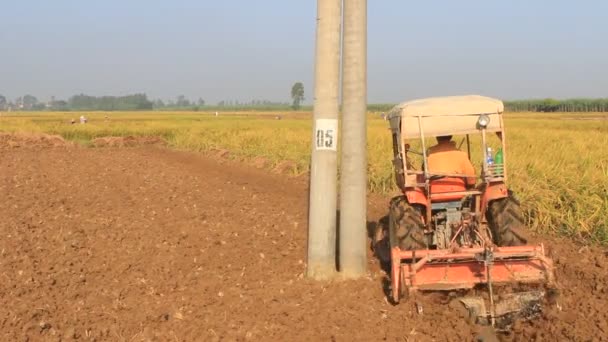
326, 134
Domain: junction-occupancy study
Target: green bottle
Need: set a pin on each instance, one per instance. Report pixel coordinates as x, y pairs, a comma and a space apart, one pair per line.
498, 161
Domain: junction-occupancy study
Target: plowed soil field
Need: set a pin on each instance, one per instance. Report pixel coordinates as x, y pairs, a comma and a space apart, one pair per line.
148, 244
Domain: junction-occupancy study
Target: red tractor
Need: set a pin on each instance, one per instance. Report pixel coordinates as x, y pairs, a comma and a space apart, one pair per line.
447, 232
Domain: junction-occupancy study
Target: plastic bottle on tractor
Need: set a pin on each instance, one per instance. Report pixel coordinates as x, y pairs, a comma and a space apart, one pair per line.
499, 161
489, 157
489, 161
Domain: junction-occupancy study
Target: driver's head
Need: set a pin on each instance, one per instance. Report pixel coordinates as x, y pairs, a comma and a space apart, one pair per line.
444, 138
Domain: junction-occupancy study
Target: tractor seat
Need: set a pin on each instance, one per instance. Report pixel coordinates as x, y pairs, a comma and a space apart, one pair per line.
441, 189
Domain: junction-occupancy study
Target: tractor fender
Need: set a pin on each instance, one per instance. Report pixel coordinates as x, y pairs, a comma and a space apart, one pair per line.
493, 192
416, 196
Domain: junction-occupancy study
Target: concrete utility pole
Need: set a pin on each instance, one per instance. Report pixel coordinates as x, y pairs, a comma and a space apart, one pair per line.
323, 168
353, 175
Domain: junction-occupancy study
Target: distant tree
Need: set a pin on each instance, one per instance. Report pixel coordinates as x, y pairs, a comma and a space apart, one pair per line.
38, 106
60, 105
29, 101
549, 105
3, 103
182, 101
159, 103
297, 95
200, 102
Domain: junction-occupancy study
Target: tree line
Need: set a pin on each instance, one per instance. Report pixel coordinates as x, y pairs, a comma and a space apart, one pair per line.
553, 105
141, 102
109, 103
182, 103
84, 102
79, 102
535, 105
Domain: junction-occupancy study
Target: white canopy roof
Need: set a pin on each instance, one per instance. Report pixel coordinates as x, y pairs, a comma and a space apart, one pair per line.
450, 105
446, 115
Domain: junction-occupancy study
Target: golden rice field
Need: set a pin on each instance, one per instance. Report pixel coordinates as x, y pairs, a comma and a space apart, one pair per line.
557, 163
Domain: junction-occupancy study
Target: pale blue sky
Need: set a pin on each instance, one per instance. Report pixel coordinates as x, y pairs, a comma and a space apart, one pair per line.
256, 49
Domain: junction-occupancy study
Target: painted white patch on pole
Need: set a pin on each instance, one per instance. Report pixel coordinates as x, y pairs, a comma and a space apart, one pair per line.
326, 134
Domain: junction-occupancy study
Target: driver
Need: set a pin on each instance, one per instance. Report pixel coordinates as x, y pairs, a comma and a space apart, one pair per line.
445, 157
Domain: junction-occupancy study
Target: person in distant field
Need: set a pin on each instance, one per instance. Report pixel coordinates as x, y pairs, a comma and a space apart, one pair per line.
83, 119
445, 157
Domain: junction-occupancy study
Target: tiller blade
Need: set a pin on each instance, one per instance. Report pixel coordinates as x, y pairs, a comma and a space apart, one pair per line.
466, 267
507, 309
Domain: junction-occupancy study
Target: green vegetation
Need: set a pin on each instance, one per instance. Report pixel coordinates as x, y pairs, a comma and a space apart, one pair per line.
129, 102
557, 163
536, 105
181, 103
552, 105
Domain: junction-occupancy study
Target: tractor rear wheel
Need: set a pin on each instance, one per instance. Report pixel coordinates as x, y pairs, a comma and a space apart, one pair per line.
506, 221
406, 229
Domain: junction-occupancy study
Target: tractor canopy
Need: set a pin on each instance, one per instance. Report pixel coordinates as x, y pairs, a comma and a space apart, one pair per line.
450, 115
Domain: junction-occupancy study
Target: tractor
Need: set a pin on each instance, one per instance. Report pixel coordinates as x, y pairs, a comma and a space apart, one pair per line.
446, 233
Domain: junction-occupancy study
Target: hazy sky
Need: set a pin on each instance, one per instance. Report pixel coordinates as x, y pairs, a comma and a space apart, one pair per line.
256, 49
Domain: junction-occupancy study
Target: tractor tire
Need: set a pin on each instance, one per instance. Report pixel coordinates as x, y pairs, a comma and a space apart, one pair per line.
506, 221
406, 229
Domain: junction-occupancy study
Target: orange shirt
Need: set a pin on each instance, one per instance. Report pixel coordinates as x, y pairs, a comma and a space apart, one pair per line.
446, 158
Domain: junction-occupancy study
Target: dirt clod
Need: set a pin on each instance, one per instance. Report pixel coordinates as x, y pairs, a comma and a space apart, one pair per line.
129, 141
260, 162
32, 140
222, 153
286, 167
